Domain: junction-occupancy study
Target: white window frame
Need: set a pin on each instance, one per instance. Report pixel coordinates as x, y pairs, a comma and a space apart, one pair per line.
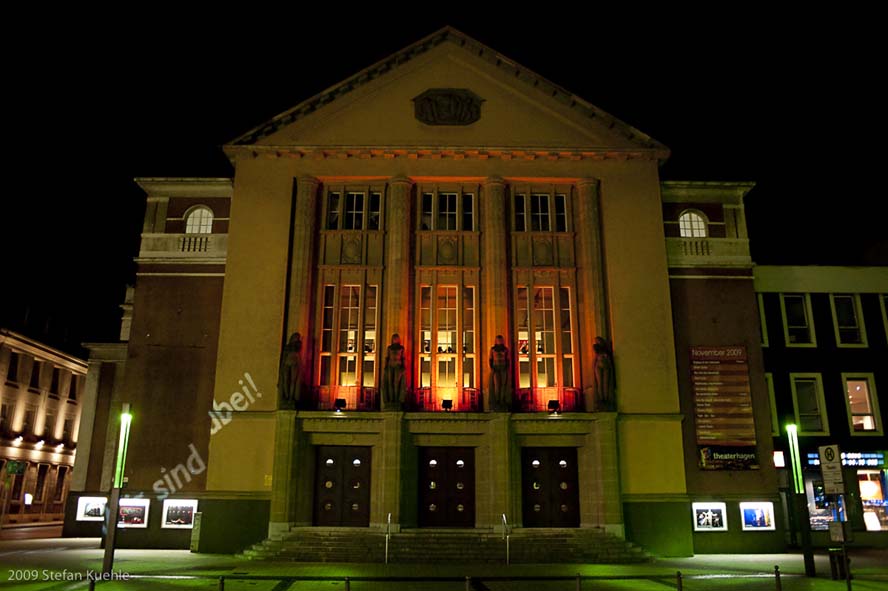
690, 224
858, 310
763, 322
809, 314
821, 402
884, 307
193, 211
874, 402
775, 420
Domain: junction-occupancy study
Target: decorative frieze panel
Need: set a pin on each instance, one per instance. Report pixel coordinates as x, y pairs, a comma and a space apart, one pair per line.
443, 249
351, 248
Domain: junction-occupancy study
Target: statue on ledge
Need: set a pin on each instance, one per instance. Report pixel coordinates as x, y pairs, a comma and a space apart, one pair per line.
290, 382
394, 389
605, 379
499, 385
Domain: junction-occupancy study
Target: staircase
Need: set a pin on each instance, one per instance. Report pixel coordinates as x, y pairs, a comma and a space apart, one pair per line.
428, 546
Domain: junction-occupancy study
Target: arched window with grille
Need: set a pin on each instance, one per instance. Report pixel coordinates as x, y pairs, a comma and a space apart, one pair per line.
692, 224
199, 220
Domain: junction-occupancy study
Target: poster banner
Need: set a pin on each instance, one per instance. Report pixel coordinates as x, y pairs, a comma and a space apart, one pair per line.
723, 408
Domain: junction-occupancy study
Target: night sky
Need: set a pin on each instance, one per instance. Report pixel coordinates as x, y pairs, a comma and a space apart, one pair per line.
785, 104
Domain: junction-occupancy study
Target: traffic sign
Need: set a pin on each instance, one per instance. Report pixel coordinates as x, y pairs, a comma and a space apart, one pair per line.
831, 469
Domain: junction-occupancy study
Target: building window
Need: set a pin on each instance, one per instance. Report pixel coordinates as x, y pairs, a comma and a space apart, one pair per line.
72, 389
447, 336
692, 224
34, 384
28, 421
847, 320
762, 321
798, 328
883, 300
862, 403
199, 221
66, 430
872, 486
353, 210
42, 471
447, 210
60, 484
775, 421
12, 370
540, 212
348, 336
54, 383
809, 404
545, 337
49, 423
5, 417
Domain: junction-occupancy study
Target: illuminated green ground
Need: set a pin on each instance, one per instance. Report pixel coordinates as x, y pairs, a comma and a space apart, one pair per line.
151, 566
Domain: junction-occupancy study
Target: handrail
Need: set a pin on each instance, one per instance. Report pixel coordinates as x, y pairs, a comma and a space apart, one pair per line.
388, 533
507, 535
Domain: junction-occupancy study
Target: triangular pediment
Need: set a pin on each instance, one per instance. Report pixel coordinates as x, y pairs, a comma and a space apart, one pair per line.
449, 91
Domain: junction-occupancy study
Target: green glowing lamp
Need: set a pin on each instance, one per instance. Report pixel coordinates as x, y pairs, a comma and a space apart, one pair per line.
126, 419
792, 433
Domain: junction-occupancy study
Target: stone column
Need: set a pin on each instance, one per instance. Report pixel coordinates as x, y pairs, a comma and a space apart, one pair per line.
591, 295
87, 424
283, 494
601, 503
391, 484
397, 291
494, 277
305, 231
301, 275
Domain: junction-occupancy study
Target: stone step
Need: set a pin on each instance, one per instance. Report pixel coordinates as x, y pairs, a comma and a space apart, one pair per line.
439, 546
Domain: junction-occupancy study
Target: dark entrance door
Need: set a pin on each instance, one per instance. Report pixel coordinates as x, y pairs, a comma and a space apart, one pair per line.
447, 487
342, 486
549, 487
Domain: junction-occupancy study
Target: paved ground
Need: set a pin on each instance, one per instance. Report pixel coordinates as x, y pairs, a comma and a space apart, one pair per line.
54, 565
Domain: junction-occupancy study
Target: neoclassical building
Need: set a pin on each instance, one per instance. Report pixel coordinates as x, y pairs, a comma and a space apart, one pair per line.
447, 195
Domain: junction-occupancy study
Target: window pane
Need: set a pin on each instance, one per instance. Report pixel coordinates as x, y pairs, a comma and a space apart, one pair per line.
200, 221
325, 371
806, 394
845, 311
539, 213
567, 364
347, 370
468, 372
795, 311
367, 369
12, 372
468, 212
373, 221
333, 211
446, 211
425, 372
354, 211
560, 213
426, 221
691, 225
519, 213
545, 372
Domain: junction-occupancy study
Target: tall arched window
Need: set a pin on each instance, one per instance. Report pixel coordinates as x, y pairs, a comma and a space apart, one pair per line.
692, 224
199, 221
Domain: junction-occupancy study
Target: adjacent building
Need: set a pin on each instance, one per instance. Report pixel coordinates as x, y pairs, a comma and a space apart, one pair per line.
825, 342
40, 406
449, 196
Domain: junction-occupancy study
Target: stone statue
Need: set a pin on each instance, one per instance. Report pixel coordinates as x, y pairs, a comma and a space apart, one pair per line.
394, 390
605, 379
499, 386
290, 380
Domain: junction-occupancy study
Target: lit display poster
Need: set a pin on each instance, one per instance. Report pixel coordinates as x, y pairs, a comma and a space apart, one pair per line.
723, 408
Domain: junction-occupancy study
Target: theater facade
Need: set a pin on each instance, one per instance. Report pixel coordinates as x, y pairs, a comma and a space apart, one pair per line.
560, 314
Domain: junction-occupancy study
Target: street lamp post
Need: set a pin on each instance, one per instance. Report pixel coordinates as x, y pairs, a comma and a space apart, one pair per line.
800, 501
113, 509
